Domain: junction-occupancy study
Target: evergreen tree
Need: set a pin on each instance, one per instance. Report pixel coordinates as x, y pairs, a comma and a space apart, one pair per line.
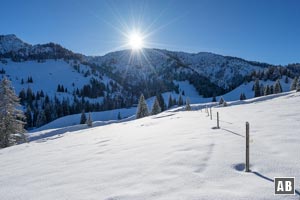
262, 89
161, 102
119, 116
221, 101
156, 107
214, 99
89, 121
242, 96
83, 117
170, 102
42, 94
29, 96
11, 127
174, 102
180, 100
256, 88
286, 80
298, 86
22, 97
58, 88
267, 90
187, 104
271, 89
28, 115
38, 97
277, 87
48, 112
294, 83
142, 109
41, 119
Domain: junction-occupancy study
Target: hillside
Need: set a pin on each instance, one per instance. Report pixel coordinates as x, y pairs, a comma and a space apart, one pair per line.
174, 155
54, 82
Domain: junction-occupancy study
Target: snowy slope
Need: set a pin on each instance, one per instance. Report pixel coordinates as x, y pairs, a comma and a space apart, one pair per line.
96, 116
174, 155
189, 90
47, 76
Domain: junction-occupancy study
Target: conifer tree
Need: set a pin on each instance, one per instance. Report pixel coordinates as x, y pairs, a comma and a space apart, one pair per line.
241, 96
89, 121
271, 89
28, 115
256, 88
41, 119
11, 125
174, 102
221, 101
267, 90
180, 100
142, 109
187, 105
277, 87
161, 102
119, 116
83, 117
214, 99
29, 96
298, 86
156, 107
286, 80
170, 102
22, 97
294, 83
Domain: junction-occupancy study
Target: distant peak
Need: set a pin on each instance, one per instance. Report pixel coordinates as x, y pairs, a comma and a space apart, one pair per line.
11, 42
8, 36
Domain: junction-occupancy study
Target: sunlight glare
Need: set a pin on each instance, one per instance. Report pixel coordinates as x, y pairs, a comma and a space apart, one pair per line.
135, 41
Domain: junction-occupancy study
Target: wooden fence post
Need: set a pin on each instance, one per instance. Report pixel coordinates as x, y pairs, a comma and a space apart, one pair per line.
247, 169
218, 125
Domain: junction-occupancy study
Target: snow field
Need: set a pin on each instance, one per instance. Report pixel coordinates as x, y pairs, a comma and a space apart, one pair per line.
173, 155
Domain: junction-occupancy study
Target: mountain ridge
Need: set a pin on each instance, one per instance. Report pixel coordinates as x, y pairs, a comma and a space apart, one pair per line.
66, 82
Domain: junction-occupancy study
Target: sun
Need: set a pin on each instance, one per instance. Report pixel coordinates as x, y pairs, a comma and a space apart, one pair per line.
135, 41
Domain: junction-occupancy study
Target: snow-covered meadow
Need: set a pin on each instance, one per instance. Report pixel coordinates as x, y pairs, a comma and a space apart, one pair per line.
173, 155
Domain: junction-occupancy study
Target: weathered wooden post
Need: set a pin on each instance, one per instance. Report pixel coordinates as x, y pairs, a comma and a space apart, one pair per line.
247, 169
210, 114
218, 126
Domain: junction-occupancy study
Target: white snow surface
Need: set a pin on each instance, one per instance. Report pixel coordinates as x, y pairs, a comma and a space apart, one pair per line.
48, 75
173, 155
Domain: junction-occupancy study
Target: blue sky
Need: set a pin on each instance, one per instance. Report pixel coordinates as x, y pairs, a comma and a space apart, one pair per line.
260, 30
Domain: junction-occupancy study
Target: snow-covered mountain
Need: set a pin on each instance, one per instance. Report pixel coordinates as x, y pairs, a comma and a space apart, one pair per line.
14, 48
220, 70
10, 43
69, 82
173, 155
